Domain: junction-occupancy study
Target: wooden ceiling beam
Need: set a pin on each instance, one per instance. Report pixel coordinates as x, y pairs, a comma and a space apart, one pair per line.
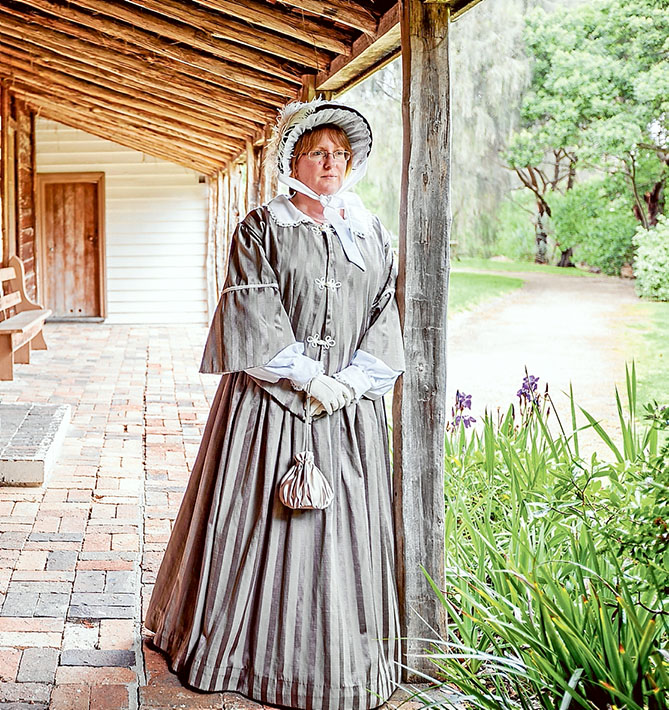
275, 18
78, 20
223, 27
177, 32
123, 115
66, 73
348, 12
113, 59
170, 151
104, 99
368, 54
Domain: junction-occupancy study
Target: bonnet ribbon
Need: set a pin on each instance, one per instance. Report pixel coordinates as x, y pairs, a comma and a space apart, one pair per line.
332, 204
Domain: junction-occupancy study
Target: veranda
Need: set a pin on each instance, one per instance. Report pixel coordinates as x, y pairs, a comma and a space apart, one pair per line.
197, 84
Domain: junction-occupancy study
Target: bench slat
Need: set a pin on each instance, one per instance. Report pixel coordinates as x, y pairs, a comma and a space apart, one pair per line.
7, 273
9, 300
22, 321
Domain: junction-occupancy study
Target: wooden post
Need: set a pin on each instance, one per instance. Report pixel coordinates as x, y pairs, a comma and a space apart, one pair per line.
25, 195
7, 174
252, 176
419, 406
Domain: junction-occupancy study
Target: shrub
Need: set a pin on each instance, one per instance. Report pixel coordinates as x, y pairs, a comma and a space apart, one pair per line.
651, 266
597, 221
555, 591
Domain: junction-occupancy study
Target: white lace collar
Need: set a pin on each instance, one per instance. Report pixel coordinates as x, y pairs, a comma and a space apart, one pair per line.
284, 213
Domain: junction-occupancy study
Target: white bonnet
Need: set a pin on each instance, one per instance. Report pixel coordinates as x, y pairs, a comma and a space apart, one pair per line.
298, 117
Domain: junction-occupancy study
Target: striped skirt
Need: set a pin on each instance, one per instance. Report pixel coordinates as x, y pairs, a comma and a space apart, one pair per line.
292, 608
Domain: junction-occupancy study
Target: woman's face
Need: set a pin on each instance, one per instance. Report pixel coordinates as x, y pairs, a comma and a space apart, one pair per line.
324, 177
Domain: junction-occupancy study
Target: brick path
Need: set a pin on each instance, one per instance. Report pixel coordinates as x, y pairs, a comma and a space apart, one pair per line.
78, 557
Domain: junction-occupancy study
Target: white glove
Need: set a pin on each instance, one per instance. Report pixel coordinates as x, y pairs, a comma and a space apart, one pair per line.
328, 393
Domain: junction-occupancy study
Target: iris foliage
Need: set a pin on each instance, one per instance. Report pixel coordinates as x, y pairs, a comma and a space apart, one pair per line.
557, 563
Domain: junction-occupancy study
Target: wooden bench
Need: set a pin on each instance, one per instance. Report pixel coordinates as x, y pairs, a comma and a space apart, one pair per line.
21, 327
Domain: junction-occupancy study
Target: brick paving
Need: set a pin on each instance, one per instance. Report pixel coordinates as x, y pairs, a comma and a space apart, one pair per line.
78, 557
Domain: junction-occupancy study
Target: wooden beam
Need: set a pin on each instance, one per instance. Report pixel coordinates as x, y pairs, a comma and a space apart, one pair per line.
69, 75
111, 56
143, 39
369, 53
115, 111
129, 137
274, 18
221, 26
156, 134
183, 31
7, 173
419, 405
348, 12
459, 7
25, 195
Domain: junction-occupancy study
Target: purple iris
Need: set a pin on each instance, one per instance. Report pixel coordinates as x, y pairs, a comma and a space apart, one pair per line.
528, 391
462, 401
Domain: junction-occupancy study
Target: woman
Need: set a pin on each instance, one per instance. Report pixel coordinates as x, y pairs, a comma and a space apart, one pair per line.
294, 607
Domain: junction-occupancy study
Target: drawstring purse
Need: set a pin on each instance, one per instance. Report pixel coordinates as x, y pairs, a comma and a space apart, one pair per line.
305, 487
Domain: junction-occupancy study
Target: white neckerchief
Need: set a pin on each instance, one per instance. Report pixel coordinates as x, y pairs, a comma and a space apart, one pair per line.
332, 205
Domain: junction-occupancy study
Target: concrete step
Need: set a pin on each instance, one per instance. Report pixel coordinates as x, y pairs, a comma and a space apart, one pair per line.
31, 436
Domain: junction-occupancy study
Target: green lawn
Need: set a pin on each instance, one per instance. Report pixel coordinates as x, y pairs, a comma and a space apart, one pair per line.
649, 343
489, 265
467, 290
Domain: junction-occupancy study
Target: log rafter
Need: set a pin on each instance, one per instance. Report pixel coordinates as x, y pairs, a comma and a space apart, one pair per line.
50, 68
112, 104
30, 89
96, 50
348, 12
178, 31
223, 27
69, 75
307, 30
76, 20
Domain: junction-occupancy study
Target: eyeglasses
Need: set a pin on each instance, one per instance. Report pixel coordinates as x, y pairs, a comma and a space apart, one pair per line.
319, 156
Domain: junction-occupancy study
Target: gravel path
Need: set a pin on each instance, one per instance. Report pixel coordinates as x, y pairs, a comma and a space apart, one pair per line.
563, 328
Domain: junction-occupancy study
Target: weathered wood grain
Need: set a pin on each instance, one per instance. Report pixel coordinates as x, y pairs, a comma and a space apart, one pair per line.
274, 18
220, 26
78, 22
97, 50
25, 194
348, 12
419, 406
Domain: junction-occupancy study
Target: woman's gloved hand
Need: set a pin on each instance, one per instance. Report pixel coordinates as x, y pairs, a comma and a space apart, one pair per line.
330, 394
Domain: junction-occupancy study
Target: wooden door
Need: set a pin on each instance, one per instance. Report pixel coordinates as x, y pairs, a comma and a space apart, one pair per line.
70, 212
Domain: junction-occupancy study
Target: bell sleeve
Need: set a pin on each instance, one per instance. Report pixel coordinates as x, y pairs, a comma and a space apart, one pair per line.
382, 338
250, 325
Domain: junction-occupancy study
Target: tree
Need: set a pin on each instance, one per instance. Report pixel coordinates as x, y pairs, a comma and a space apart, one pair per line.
599, 97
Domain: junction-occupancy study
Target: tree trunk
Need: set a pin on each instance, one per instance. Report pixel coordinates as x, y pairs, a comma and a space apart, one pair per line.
541, 242
565, 258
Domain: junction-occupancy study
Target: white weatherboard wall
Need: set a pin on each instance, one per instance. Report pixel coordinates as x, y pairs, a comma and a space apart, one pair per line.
155, 226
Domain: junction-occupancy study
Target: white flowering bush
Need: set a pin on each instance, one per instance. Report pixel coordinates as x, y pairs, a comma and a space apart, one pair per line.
651, 265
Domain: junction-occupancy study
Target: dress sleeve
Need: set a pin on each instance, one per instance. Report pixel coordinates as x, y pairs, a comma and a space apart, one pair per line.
368, 376
250, 325
383, 337
290, 363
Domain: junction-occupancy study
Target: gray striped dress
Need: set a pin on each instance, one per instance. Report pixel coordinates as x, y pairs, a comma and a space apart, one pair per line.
293, 608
